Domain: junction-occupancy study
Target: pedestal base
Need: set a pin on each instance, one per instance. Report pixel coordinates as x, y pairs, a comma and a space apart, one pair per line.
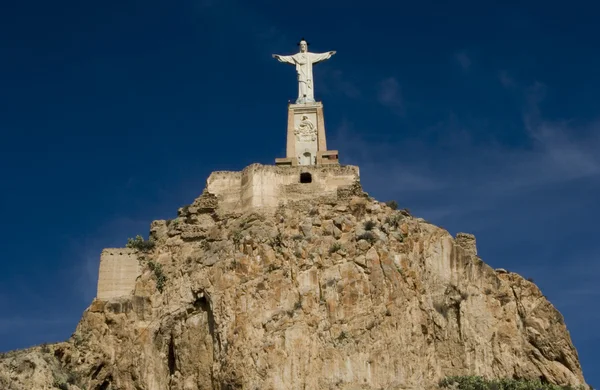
306, 140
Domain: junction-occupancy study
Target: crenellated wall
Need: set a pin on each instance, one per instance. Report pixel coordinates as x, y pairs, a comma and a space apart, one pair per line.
119, 268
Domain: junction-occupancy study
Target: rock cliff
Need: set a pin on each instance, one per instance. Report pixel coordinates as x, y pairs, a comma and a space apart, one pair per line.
327, 293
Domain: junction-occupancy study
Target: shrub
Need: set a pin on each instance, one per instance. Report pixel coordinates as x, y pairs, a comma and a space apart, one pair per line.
530, 280
277, 241
336, 246
368, 236
298, 237
140, 244
342, 336
45, 348
237, 237
60, 384
479, 383
393, 220
77, 339
369, 225
392, 204
161, 278
504, 298
358, 210
72, 378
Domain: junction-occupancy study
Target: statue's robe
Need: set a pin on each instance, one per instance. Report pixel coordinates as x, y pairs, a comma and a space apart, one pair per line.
304, 63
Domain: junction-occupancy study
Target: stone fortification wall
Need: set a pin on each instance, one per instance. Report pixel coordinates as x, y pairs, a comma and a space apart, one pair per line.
119, 268
264, 187
257, 187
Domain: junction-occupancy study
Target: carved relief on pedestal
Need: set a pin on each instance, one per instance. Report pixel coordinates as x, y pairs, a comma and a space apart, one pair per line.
306, 130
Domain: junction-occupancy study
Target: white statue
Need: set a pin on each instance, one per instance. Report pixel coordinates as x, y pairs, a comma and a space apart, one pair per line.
304, 61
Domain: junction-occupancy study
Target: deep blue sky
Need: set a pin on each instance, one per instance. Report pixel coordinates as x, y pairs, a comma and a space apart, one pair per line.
479, 117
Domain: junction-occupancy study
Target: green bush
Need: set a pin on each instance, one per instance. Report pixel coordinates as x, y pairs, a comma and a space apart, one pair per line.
336, 246
480, 383
277, 240
237, 237
369, 225
161, 279
72, 378
368, 236
393, 220
392, 204
60, 383
140, 244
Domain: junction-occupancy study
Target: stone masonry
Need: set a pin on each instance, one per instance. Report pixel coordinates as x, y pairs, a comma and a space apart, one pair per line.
119, 268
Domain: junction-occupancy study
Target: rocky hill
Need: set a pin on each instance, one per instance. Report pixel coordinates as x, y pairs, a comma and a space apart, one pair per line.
335, 292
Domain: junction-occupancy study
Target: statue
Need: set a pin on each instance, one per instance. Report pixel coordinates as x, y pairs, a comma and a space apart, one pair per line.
304, 61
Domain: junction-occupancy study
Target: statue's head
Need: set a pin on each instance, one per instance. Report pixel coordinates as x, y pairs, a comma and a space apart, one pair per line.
303, 46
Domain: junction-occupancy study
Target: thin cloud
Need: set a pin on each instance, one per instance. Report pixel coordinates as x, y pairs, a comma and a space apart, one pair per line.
113, 234
364, 153
506, 80
486, 174
389, 95
463, 60
347, 88
582, 268
520, 202
335, 82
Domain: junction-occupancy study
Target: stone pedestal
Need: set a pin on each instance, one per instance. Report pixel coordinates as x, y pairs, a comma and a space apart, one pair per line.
306, 141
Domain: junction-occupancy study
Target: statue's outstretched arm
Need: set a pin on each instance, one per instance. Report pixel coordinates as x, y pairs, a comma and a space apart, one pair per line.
318, 57
285, 59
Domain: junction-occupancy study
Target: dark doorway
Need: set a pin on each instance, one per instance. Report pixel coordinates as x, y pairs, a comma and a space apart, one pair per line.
305, 177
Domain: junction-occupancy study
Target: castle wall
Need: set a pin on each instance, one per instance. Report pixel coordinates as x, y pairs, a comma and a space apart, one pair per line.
227, 185
264, 187
257, 187
119, 268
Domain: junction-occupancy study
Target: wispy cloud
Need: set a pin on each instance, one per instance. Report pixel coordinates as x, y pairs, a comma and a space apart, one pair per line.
335, 82
348, 88
84, 254
532, 207
463, 59
505, 79
389, 94
572, 288
474, 177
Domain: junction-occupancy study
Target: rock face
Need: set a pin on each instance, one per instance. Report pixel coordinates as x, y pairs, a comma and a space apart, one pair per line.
324, 293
